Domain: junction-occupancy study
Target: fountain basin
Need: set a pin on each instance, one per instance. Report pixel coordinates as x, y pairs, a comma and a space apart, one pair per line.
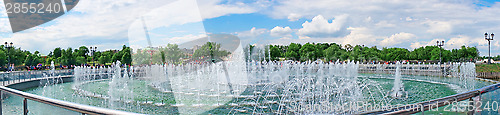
149, 101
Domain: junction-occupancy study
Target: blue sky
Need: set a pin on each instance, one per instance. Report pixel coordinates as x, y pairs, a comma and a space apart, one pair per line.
225, 24
109, 24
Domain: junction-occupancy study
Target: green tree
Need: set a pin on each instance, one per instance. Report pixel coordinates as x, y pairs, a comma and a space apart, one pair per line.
309, 52
3, 58
275, 52
210, 49
32, 60
371, 54
293, 51
334, 52
126, 58
57, 52
67, 57
163, 59
395, 54
320, 48
103, 59
83, 51
79, 60
173, 54
116, 57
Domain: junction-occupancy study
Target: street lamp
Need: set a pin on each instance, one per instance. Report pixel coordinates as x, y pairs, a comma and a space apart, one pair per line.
92, 53
8, 47
440, 45
489, 38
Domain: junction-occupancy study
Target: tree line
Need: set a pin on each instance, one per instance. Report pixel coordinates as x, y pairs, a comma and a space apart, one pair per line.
333, 52
172, 54
294, 51
63, 57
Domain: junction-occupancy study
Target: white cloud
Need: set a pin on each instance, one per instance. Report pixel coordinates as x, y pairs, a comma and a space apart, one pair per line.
183, 39
91, 23
368, 19
293, 17
368, 22
169, 14
416, 45
385, 24
398, 39
409, 19
161, 21
213, 8
360, 35
281, 32
320, 27
107, 21
425, 43
438, 27
454, 42
461, 40
254, 35
430, 19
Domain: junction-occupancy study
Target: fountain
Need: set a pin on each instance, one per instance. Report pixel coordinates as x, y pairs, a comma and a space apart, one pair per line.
398, 89
248, 84
266, 86
119, 90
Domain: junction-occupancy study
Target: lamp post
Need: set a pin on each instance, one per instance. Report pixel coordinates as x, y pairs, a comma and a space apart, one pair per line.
440, 45
92, 51
489, 38
8, 47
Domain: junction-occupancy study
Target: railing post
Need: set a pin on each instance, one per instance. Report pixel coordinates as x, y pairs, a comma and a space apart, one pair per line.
1, 99
422, 108
25, 106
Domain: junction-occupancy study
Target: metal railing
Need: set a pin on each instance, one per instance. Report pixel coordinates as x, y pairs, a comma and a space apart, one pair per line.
431, 104
19, 77
84, 109
489, 75
406, 69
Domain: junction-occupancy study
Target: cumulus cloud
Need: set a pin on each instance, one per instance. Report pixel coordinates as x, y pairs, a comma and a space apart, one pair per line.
444, 19
454, 42
253, 35
161, 21
360, 35
425, 43
96, 23
281, 32
320, 27
461, 40
397, 39
293, 17
368, 22
385, 24
438, 27
214, 8
253, 32
106, 21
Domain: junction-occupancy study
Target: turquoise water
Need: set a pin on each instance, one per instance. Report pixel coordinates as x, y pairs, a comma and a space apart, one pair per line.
151, 101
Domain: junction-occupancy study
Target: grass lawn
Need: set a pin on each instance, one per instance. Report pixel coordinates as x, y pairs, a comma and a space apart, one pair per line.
487, 68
